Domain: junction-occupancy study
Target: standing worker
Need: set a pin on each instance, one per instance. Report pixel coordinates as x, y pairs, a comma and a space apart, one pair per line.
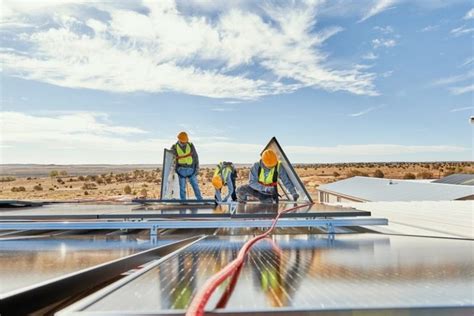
263, 180
225, 175
187, 165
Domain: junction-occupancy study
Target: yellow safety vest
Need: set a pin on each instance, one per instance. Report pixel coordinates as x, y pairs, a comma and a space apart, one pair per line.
223, 171
272, 177
184, 157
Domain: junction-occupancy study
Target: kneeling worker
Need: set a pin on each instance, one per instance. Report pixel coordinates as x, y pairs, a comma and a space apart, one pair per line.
224, 175
263, 180
187, 165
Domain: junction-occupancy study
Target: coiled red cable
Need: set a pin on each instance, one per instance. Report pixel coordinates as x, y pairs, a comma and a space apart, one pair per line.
198, 304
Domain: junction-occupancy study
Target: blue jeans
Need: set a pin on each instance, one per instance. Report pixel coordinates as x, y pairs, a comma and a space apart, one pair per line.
183, 173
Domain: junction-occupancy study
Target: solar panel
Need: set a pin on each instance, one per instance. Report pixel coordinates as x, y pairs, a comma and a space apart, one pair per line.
306, 272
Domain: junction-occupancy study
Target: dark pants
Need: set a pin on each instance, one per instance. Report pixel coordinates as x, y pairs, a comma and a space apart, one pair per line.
245, 191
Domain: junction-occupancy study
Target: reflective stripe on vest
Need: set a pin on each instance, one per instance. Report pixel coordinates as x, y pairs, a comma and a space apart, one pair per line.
223, 171
271, 179
184, 157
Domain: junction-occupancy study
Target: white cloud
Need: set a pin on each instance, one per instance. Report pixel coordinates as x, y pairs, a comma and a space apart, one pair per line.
382, 42
378, 6
165, 49
366, 111
466, 108
462, 89
462, 30
92, 138
469, 14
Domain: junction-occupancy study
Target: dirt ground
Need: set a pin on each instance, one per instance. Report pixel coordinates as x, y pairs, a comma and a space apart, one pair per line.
65, 185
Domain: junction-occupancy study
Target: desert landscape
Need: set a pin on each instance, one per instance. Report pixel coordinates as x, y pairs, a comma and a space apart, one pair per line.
96, 182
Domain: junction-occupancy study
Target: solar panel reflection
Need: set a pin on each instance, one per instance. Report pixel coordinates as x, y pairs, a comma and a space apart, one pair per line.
310, 272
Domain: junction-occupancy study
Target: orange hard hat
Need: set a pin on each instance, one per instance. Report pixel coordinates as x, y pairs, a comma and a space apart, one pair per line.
269, 158
183, 137
217, 182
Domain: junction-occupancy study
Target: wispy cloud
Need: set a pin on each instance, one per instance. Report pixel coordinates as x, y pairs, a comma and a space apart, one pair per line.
457, 79
468, 61
462, 30
70, 139
384, 29
378, 6
383, 42
462, 89
223, 109
469, 14
453, 79
429, 28
466, 108
366, 111
370, 56
209, 55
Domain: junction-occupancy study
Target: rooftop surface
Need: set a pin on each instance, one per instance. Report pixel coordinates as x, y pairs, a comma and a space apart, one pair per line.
457, 178
376, 189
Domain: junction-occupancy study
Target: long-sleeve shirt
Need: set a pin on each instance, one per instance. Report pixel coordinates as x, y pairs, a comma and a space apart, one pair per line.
282, 175
230, 189
194, 153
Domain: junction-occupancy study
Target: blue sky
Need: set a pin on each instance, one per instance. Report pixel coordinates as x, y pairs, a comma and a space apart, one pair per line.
335, 81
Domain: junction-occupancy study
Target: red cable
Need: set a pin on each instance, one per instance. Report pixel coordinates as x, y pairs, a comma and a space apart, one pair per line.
196, 308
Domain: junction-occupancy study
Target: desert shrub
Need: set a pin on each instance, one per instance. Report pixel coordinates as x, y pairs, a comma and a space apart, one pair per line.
18, 189
86, 193
378, 174
355, 172
51, 189
7, 179
29, 178
425, 175
100, 181
409, 176
63, 173
335, 174
127, 189
89, 186
81, 178
38, 187
144, 193
53, 173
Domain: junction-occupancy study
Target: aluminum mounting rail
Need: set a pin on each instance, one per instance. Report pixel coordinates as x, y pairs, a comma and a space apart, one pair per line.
153, 226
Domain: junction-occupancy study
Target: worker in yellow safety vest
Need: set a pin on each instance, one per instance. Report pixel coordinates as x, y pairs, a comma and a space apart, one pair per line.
187, 165
263, 180
224, 175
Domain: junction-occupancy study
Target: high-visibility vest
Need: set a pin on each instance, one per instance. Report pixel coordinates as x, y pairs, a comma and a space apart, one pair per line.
271, 179
223, 170
184, 157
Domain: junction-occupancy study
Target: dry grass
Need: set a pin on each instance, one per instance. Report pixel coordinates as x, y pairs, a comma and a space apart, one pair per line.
147, 183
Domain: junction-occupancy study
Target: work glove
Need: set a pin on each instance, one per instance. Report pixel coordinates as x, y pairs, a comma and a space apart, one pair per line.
295, 196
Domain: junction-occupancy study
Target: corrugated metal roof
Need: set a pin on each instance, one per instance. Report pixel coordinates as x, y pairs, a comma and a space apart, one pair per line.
457, 178
452, 219
376, 189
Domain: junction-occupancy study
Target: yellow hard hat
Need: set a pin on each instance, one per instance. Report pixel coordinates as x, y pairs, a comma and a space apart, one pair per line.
183, 137
217, 182
269, 158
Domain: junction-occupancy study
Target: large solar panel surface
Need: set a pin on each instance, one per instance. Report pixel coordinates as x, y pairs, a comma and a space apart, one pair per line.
308, 272
25, 262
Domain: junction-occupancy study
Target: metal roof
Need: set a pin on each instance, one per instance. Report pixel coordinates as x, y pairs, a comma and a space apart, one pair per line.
376, 189
451, 219
457, 178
